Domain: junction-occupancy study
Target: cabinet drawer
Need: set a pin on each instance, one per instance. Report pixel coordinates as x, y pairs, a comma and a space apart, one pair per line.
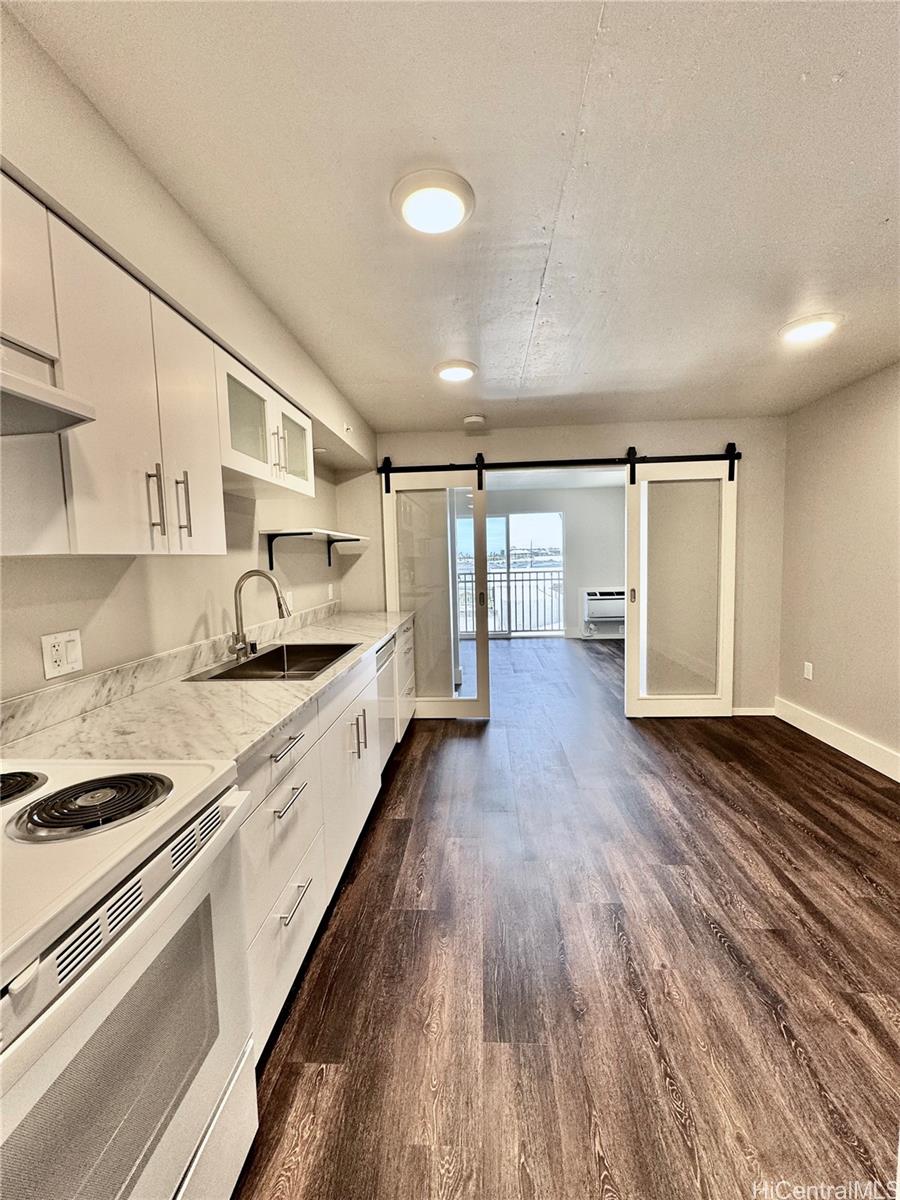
273, 844
344, 691
277, 951
406, 655
279, 753
406, 706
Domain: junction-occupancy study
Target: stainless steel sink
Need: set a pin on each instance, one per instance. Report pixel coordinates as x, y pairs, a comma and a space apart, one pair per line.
284, 660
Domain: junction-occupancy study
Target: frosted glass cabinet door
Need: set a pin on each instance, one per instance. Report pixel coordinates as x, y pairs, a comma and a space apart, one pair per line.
295, 443
247, 432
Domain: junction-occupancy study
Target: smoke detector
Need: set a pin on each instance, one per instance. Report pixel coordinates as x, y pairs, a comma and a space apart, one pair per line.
474, 423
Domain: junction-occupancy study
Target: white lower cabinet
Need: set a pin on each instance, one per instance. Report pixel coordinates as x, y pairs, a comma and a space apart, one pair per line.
299, 837
351, 775
276, 953
277, 834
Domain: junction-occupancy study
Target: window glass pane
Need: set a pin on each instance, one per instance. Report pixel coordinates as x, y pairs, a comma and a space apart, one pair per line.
247, 420
682, 588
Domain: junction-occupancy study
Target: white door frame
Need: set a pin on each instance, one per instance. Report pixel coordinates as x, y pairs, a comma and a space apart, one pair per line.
637, 703
419, 481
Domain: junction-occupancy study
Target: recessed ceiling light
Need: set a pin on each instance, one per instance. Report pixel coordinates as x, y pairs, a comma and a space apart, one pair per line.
455, 370
810, 329
433, 201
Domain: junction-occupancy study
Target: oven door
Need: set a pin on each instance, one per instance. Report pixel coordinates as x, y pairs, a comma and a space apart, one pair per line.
109, 1092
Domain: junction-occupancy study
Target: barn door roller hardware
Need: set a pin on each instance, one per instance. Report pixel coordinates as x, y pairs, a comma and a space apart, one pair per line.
630, 459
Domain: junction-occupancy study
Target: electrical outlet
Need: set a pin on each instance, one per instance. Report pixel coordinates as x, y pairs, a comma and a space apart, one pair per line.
61, 653
807, 670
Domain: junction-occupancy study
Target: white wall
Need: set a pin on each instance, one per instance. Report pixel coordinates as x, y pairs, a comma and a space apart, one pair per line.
760, 506
593, 531
56, 142
841, 594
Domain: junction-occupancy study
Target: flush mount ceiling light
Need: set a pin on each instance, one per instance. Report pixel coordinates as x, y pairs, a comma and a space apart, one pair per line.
455, 370
433, 201
810, 329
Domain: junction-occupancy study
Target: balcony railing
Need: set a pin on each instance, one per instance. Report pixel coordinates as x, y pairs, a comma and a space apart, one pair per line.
518, 602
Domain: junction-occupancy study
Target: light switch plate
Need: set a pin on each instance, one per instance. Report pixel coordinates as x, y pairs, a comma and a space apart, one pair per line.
61, 653
807, 670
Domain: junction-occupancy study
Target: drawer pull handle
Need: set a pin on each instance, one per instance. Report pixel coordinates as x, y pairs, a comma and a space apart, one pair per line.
357, 749
303, 888
289, 747
295, 794
365, 729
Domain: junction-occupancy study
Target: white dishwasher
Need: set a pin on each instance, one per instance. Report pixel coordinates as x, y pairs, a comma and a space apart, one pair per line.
387, 700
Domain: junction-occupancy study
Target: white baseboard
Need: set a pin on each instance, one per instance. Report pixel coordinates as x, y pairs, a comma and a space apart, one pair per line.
753, 712
857, 745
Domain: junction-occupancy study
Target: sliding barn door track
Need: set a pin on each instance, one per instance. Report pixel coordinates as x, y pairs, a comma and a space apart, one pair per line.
630, 459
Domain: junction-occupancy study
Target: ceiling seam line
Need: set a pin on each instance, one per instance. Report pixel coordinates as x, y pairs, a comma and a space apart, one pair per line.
562, 191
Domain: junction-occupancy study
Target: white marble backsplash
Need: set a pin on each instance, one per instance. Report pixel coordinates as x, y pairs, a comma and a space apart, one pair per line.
24, 715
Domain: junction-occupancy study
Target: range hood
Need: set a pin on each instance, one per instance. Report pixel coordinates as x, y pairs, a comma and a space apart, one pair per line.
31, 406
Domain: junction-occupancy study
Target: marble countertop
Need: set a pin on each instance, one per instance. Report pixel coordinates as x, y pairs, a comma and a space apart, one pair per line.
205, 720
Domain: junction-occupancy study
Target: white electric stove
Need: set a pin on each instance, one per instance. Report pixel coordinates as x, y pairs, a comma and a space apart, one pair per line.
124, 1000
73, 829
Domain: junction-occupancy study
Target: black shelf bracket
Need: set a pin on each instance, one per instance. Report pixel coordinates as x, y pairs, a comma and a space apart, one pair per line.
329, 542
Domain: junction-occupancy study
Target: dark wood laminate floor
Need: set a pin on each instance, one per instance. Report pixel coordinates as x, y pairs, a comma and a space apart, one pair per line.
579, 957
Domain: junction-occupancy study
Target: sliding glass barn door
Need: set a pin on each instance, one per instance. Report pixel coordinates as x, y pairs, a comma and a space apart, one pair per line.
435, 549
679, 642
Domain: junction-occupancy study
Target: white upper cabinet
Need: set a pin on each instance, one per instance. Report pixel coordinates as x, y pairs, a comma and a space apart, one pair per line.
188, 419
26, 278
115, 485
264, 438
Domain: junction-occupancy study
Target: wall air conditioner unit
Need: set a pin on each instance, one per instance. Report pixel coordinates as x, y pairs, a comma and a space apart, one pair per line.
603, 612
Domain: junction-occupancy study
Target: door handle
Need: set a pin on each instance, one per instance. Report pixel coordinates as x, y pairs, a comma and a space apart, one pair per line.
288, 748
286, 918
632, 595
186, 484
481, 599
161, 499
295, 794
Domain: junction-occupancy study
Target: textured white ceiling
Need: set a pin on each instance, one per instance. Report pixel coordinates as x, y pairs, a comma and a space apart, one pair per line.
660, 186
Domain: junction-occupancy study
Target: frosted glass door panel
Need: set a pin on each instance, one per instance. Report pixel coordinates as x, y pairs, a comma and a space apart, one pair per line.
247, 419
423, 552
682, 586
296, 449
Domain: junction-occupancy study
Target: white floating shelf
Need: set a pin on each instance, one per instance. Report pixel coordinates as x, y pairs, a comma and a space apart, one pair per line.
331, 537
30, 406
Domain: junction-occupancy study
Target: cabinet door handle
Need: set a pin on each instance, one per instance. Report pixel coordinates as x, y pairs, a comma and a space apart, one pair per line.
186, 484
303, 888
284, 453
161, 499
365, 729
288, 748
276, 460
357, 750
295, 794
